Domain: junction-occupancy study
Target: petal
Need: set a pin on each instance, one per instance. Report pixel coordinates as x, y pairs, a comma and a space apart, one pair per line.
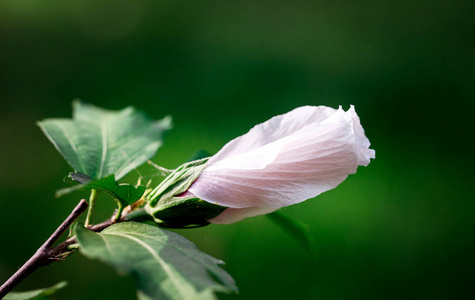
362, 142
286, 160
304, 168
255, 149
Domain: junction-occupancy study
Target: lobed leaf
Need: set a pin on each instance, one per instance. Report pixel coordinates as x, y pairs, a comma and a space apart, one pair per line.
124, 192
36, 294
99, 142
164, 264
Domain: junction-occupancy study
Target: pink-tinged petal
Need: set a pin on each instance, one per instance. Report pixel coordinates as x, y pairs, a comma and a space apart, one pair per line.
257, 148
362, 142
286, 160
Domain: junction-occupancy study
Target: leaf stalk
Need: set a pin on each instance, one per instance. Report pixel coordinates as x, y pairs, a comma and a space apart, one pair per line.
92, 204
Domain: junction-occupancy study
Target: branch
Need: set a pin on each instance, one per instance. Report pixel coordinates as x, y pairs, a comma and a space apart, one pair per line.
137, 215
44, 255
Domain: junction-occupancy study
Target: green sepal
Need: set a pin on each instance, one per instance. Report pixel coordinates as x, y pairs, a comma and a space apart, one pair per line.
170, 208
185, 212
178, 181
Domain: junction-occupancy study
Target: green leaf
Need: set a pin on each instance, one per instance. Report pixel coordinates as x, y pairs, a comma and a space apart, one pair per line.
164, 264
124, 192
80, 177
36, 294
99, 142
297, 230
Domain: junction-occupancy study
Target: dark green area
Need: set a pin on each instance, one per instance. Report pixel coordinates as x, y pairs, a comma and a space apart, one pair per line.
192, 212
400, 228
299, 231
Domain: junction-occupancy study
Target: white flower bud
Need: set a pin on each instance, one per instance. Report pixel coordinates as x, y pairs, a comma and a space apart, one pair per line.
285, 160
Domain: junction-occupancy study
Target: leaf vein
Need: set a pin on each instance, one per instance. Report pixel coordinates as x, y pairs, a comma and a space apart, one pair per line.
108, 245
171, 274
104, 146
73, 145
170, 245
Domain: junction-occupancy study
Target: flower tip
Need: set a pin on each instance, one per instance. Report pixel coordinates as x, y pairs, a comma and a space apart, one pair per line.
364, 159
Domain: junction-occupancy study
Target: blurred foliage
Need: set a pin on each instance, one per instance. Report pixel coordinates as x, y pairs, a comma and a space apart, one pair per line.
400, 228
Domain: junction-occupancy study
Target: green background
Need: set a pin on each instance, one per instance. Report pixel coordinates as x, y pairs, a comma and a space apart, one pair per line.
400, 228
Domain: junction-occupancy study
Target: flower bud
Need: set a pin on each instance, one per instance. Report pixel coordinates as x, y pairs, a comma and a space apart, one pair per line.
285, 160
170, 206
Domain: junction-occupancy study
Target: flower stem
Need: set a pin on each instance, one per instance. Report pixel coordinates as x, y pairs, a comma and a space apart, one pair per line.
92, 203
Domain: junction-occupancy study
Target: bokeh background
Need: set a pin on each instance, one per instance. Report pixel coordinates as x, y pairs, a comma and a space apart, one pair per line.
400, 228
